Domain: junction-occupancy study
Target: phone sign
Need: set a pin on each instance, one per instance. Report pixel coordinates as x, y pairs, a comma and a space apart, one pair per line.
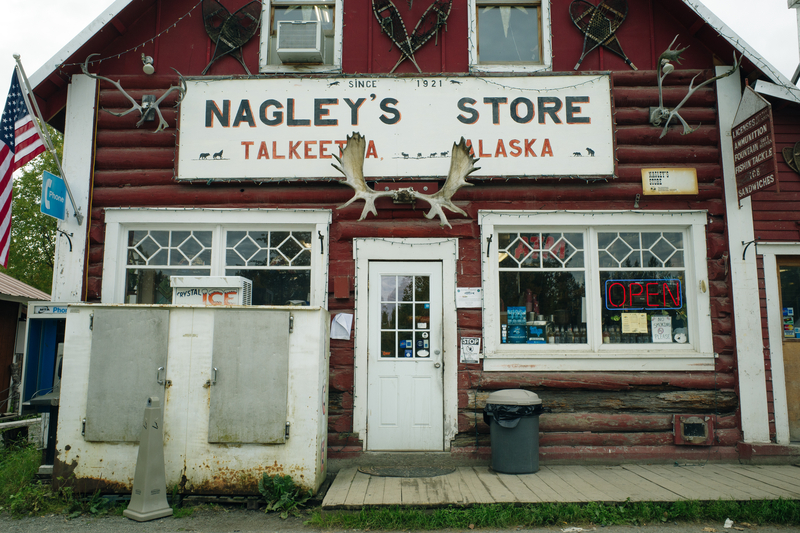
54, 194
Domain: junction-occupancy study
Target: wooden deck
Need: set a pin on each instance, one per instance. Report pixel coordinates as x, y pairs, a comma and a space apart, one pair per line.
478, 485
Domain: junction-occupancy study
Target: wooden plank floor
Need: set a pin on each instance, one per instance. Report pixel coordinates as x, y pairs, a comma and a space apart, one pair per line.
569, 483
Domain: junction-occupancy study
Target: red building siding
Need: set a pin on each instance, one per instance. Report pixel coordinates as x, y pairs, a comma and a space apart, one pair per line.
592, 413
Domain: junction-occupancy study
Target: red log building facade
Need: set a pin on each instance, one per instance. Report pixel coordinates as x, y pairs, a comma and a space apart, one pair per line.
616, 306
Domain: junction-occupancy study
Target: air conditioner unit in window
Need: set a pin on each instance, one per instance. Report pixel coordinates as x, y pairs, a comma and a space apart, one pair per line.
300, 41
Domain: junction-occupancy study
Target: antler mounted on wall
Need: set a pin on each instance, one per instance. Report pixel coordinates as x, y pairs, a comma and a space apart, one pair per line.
661, 115
462, 164
146, 105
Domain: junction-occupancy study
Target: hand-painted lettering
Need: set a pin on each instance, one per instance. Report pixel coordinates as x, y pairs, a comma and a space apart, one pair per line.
473, 114
573, 110
527, 104
354, 107
223, 115
277, 116
244, 114
320, 112
395, 113
495, 102
290, 119
549, 105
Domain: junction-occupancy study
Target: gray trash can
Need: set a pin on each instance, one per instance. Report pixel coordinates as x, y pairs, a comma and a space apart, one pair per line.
513, 417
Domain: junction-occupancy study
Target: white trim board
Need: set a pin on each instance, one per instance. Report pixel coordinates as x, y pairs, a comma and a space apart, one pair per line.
94, 27
444, 250
78, 165
744, 276
768, 252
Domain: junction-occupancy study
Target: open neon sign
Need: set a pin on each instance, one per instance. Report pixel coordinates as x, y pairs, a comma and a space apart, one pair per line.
624, 294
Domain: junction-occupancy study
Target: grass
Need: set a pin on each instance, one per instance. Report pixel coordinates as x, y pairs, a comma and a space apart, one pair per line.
22, 495
786, 512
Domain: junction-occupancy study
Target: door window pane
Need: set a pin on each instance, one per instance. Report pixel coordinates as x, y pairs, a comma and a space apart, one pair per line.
407, 298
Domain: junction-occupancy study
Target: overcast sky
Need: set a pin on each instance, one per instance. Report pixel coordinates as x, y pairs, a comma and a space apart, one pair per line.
41, 28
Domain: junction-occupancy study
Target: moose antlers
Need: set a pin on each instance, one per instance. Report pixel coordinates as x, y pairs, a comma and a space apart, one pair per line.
143, 109
661, 115
462, 164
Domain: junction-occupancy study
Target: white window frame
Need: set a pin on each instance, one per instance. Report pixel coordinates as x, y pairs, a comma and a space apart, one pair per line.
546, 35
119, 221
266, 25
769, 252
697, 354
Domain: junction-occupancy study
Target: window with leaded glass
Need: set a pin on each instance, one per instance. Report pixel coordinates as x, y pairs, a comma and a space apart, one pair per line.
155, 255
628, 288
277, 262
283, 252
542, 287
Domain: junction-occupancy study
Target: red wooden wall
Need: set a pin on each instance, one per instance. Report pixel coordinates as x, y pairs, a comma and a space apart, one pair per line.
629, 412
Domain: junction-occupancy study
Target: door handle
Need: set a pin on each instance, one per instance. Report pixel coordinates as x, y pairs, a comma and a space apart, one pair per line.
437, 365
159, 379
214, 376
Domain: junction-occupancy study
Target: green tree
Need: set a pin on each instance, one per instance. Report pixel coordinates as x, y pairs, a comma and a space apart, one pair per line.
33, 233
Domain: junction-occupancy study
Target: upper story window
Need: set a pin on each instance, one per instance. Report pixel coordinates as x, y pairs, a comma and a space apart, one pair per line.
279, 251
509, 35
301, 36
596, 291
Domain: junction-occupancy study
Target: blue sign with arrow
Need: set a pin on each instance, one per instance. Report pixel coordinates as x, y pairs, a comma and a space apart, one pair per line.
54, 196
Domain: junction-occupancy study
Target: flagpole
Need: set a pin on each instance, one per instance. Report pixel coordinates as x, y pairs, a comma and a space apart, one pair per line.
46, 136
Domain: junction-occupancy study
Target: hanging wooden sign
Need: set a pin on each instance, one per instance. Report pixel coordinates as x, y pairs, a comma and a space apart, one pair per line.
755, 165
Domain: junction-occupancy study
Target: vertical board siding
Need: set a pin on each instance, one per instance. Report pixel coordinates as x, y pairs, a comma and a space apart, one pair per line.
775, 219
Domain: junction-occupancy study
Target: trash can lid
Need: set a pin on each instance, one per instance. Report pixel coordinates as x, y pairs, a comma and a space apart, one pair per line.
514, 397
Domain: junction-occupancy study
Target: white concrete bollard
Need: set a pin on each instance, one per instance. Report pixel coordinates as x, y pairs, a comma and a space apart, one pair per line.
149, 497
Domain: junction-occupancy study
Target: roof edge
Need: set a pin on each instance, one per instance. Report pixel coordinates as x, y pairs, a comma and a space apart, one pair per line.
79, 40
790, 94
738, 43
695, 5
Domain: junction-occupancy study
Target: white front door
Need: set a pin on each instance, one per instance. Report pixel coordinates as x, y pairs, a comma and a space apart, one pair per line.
405, 389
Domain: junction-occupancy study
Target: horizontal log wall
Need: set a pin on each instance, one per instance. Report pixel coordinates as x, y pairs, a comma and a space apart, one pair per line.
627, 412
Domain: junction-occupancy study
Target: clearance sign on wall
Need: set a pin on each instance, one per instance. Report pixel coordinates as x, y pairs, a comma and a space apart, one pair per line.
276, 129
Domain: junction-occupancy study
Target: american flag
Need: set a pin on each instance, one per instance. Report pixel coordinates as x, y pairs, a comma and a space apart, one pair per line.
19, 143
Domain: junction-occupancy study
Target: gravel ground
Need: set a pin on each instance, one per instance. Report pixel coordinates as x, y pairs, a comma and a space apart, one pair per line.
238, 520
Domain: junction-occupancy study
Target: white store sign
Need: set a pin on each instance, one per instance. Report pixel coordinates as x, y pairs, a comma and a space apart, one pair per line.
274, 129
